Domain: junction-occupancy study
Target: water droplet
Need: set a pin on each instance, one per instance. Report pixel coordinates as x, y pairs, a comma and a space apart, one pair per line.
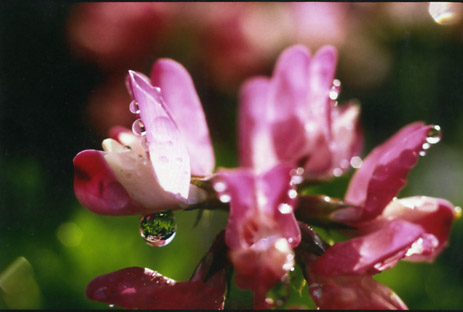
327, 199
422, 153
337, 172
426, 146
127, 148
434, 135
158, 229
220, 187
138, 127
445, 13
335, 89
292, 193
356, 162
285, 208
344, 163
134, 108
111, 305
225, 198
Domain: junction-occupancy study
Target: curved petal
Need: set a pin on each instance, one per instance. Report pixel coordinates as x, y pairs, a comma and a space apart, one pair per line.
288, 102
371, 253
256, 148
168, 153
385, 170
183, 103
347, 137
140, 288
97, 188
434, 215
126, 137
353, 293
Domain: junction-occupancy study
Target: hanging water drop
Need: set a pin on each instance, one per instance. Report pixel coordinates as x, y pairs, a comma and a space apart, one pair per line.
335, 89
138, 127
224, 198
422, 153
434, 135
134, 108
158, 229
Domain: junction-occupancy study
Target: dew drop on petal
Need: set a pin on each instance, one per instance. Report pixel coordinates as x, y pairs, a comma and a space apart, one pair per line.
220, 187
134, 108
138, 127
158, 229
422, 153
356, 162
337, 172
292, 193
285, 208
426, 146
224, 198
434, 135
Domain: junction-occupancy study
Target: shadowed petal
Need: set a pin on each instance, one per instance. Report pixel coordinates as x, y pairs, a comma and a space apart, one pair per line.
353, 293
97, 188
140, 288
168, 153
385, 170
183, 103
371, 253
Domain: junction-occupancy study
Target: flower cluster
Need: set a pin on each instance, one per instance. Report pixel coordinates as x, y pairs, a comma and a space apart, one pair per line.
292, 133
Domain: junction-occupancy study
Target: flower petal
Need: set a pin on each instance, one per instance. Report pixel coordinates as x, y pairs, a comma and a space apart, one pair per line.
256, 148
350, 292
385, 170
168, 153
434, 215
183, 102
140, 288
97, 188
371, 253
288, 102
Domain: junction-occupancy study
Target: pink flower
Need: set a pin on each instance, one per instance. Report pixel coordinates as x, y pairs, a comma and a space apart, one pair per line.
136, 174
349, 292
388, 229
261, 229
141, 288
293, 118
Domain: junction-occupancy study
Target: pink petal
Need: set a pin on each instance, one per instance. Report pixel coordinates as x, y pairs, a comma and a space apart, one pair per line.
183, 102
347, 137
288, 102
434, 215
385, 170
254, 129
97, 188
139, 288
168, 153
371, 253
353, 293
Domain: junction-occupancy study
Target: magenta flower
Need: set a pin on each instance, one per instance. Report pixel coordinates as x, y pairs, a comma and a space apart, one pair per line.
293, 117
414, 228
261, 230
150, 171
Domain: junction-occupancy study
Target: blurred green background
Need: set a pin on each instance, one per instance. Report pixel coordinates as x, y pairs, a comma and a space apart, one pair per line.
51, 247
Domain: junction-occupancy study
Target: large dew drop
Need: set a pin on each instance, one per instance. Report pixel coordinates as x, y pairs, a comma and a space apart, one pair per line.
158, 229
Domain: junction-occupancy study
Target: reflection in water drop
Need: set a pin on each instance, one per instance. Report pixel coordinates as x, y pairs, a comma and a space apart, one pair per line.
134, 108
138, 127
158, 229
446, 13
434, 135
